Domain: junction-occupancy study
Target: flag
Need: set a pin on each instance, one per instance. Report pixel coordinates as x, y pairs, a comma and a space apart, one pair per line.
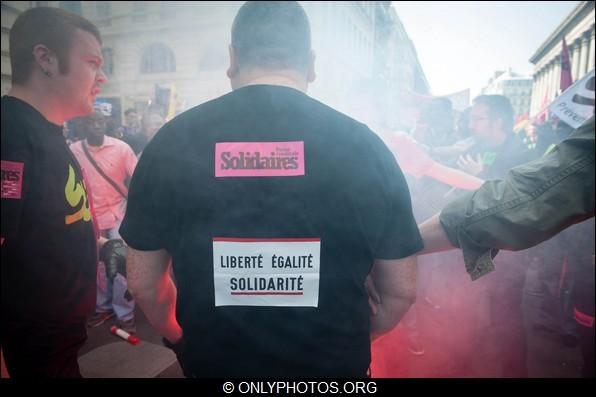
566, 79
162, 99
520, 122
171, 109
166, 99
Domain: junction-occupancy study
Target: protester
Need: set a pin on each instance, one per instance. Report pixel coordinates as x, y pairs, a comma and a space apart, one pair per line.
49, 251
151, 122
272, 207
108, 164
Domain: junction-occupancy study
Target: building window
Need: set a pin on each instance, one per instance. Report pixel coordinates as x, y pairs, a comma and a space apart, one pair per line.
104, 9
72, 6
108, 61
158, 58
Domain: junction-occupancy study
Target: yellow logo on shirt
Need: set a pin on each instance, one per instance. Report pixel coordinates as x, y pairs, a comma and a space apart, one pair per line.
75, 193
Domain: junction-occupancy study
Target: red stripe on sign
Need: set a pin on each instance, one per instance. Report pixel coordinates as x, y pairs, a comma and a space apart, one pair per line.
267, 293
264, 240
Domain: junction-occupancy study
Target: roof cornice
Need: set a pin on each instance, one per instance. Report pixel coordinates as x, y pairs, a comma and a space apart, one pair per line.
578, 13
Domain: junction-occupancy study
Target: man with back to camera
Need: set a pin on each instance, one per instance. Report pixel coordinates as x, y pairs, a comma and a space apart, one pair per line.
49, 251
273, 208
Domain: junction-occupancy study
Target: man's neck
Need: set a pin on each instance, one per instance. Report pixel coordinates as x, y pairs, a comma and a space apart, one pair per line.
498, 139
288, 78
95, 141
40, 100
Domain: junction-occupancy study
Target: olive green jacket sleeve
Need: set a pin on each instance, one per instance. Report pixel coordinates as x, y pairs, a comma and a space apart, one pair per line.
534, 202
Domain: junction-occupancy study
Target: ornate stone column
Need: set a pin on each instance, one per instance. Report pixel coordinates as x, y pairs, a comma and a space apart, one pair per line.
575, 62
547, 81
556, 80
583, 55
535, 93
591, 54
534, 99
540, 93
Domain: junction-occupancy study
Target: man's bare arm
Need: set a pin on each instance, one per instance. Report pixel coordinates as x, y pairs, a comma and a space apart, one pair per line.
395, 283
414, 160
150, 283
434, 236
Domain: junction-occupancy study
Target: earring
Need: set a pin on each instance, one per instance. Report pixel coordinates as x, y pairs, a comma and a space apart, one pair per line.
46, 72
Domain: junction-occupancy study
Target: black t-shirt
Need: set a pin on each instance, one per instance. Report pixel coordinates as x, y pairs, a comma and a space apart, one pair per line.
499, 160
49, 252
271, 168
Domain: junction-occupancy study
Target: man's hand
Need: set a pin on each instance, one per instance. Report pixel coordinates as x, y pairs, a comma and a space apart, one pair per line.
113, 255
470, 165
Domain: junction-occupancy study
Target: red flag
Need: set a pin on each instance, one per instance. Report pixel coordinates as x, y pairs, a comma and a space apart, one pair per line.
521, 117
565, 68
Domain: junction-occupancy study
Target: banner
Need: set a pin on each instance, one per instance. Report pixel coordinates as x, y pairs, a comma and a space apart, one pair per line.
171, 109
576, 104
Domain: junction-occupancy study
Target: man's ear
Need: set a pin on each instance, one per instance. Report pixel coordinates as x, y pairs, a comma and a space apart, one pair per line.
233, 68
46, 59
311, 75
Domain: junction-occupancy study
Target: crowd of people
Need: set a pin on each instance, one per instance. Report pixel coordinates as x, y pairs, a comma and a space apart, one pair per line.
439, 156
268, 234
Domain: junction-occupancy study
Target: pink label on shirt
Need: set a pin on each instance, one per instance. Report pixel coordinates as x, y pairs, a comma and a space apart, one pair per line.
12, 179
259, 159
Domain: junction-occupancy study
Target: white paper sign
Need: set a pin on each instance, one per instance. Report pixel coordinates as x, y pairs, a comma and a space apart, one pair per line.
576, 104
266, 272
